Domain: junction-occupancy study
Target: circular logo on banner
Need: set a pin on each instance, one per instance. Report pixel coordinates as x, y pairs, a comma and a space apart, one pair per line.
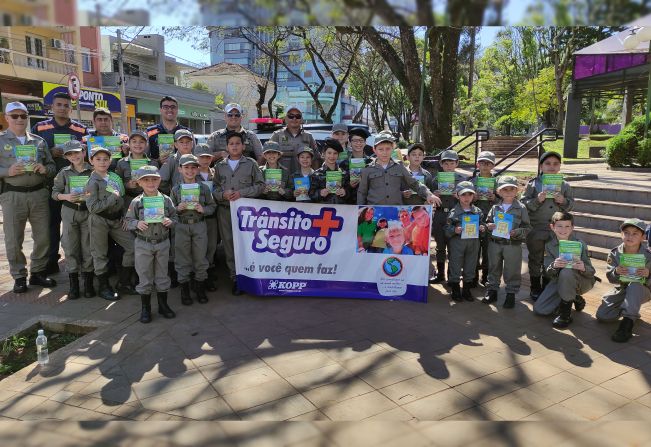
74, 86
392, 266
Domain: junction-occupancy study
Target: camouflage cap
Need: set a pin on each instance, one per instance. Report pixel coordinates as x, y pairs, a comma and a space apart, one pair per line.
97, 149
506, 180
147, 171
202, 149
464, 187
382, 137
546, 155
188, 159
306, 149
138, 133
182, 133
449, 155
271, 146
72, 146
339, 128
634, 222
486, 156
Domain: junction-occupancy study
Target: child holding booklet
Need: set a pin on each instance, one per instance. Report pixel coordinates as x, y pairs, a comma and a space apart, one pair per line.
484, 200
544, 195
276, 176
300, 179
465, 223
128, 165
356, 161
329, 184
569, 270
444, 185
69, 188
507, 225
193, 202
629, 268
169, 171
415, 155
151, 215
206, 175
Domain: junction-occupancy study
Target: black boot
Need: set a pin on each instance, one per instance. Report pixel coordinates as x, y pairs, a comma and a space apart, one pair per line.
124, 286
509, 302
105, 289
235, 290
210, 283
465, 292
564, 317
200, 291
41, 279
440, 273
456, 291
171, 271
89, 287
186, 299
579, 303
535, 287
163, 308
145, 312
20, 285
73, 293
624, 332
491, 297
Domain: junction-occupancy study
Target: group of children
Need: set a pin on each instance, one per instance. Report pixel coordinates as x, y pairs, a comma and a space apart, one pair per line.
174, 217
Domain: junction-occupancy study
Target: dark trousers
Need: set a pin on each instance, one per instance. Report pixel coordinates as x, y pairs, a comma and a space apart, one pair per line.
55, 230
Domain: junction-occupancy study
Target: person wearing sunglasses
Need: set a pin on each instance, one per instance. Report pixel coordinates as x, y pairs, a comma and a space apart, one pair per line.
293, 139
25, 166
169, 111
233, 114
56, 131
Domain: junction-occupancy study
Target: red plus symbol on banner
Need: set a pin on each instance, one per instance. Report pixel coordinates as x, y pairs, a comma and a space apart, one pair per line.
327, 223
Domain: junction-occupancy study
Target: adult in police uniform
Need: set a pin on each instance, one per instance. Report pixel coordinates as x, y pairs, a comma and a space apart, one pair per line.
169, 111
293, 138
233, 113
24, 197
60, 123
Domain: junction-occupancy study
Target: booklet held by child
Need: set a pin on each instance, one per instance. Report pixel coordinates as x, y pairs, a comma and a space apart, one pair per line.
632, 262
470, 226
570, 251
302, 185
503, 225
445, 183
154, 208
190, 194
333, 181
273, 178
551, 184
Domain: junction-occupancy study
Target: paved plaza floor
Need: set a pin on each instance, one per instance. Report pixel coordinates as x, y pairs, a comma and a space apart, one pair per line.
349, 372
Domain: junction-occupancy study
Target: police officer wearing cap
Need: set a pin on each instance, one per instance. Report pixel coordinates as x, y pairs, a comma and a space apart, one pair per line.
169, 111
24, 197
292, 138
59, 124
233, 114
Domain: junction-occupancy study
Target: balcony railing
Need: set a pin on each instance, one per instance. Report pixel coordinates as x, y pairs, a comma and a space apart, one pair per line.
32, 61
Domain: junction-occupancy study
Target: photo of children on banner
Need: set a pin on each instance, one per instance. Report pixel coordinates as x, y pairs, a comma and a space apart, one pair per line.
377, 228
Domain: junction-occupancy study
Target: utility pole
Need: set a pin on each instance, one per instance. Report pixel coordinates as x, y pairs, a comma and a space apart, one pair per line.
123, 91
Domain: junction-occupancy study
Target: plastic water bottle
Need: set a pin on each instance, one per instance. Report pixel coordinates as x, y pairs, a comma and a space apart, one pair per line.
41, 348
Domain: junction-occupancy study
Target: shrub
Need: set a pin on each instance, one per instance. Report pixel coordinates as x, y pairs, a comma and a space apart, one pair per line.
621, 150
644, 152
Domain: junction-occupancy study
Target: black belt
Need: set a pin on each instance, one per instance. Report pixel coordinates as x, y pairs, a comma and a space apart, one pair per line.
115, 215
9, 187
151, 240
502, 241
190, 221
81, 206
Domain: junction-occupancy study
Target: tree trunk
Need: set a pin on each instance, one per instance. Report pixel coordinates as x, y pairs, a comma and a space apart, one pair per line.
471, 75
561, 103
358, 116
270, 103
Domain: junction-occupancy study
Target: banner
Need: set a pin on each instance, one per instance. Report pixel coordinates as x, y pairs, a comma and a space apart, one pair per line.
90, 98
348, 251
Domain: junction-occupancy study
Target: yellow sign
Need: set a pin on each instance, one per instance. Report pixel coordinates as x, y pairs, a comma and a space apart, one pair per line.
89, 99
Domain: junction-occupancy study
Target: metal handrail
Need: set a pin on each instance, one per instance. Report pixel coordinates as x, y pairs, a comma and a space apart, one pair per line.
478, 134
540, 135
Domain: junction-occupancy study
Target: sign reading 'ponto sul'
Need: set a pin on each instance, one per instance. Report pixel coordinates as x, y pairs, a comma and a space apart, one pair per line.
89, 99
296, 249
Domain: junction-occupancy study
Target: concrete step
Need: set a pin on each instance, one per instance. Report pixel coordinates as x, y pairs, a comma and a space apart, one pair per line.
598, 238
615, 209
611, 193
598, 253
597, 221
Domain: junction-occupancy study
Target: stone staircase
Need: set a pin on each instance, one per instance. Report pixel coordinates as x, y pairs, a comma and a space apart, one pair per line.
599, 210
501, 146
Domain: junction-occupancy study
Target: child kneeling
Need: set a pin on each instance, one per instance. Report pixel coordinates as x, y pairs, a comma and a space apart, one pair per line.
568, 277
631, 283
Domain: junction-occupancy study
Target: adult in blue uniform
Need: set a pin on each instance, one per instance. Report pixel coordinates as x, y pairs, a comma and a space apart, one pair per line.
169, 111
59, 124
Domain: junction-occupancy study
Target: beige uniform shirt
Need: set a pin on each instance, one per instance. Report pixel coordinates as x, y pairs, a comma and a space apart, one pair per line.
99, 199
136, 212
62, 179
252, 146
290, 145
246, 178
379, 186
8, 143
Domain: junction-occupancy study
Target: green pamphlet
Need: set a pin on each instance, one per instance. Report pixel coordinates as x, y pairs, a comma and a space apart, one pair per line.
551, 184
445, 183
137, 163
343, 155
632, 262
420, 178
355, 167
190, 193
115, 182
26, 155
154, 208
302, 185
273, 178
165, 144
78, 186
333, 180
570, 251
485, 186
112, 143
61, 138
397, 156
